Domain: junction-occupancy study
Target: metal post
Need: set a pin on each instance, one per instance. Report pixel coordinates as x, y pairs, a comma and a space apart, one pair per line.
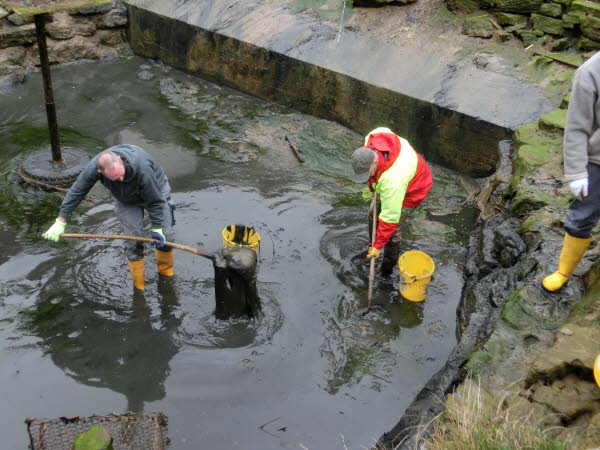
40, 20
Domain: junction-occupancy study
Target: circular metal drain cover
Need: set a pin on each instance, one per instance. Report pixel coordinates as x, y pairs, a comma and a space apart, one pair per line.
39, 170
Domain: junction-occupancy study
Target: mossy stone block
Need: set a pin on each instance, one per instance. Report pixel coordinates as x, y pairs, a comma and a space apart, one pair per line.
573, 18
551, 9
512, 6
465, 6
585, 43
478, 26
528, 198
590, 27
587, 8
554, 121
528, 133
547, 25
507, 19
528, 38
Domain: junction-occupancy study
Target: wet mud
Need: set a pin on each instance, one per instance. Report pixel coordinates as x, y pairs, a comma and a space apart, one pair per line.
313, 370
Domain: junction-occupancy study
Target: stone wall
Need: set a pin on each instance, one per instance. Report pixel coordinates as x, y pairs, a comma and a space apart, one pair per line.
555, 24
86, 33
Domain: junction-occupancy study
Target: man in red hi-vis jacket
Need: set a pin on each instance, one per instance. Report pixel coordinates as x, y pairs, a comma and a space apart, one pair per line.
402, 179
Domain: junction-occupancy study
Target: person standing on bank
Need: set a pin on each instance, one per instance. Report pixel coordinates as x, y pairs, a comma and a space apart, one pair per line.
402, 179
137, 183
581, 155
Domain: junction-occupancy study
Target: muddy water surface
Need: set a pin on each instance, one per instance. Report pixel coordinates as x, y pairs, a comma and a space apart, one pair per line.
315, 370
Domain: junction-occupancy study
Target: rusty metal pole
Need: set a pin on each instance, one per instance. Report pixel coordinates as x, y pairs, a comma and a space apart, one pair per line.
40, 21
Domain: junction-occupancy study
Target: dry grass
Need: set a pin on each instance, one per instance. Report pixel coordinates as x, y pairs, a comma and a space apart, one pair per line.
474, 419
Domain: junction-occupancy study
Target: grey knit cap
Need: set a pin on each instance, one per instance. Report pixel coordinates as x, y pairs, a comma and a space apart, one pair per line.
362, 159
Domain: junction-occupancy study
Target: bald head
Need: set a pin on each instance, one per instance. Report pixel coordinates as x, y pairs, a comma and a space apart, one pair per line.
111, 166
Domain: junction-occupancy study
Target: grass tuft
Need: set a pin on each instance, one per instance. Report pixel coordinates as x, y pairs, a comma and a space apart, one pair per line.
475, 419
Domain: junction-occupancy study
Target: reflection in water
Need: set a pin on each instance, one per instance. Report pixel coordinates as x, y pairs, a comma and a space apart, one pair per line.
129, 355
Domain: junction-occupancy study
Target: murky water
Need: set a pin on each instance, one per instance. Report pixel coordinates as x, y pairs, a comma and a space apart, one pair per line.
318, 372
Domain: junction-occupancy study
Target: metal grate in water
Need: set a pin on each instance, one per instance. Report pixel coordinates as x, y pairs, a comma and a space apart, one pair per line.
129, 431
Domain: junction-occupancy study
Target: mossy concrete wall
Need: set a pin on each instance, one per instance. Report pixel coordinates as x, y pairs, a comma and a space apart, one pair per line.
356, 83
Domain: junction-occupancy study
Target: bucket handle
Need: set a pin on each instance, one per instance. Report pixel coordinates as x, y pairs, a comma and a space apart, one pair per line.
417, 277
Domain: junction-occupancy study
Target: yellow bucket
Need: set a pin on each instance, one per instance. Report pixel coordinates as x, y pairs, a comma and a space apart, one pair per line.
416, 269
597, 370
241, 236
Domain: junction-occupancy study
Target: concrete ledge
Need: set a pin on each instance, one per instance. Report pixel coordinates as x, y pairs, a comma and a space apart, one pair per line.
454, 114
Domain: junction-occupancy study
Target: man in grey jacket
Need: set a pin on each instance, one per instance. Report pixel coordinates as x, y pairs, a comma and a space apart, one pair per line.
137, 184
581, 154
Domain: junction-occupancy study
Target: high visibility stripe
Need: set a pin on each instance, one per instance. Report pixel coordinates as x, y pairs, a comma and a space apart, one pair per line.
393, 183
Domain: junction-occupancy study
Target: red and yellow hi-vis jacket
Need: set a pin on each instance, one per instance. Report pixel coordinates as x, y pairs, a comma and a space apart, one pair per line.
402, 180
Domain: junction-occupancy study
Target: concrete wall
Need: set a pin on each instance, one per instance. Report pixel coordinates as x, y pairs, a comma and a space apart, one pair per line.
445, 135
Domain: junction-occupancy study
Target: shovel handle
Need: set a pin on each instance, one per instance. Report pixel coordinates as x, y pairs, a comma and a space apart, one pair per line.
373, 237
135, 238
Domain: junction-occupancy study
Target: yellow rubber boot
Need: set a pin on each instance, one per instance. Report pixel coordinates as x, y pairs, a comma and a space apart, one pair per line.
572, 251
136, 268
165, 262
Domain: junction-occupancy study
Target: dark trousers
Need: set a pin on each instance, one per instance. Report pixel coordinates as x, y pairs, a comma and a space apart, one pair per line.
583, 215
131, 218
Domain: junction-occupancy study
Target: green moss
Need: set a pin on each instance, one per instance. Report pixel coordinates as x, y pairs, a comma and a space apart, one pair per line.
351, 199
528, 133
587, 310
564, 104
28, 137
362, 361
478, 363
533, 155
554, 121
519, 315
538, 156
586, 7
572, 59
45, 311
96, 438
538, 221
552, 77
528, 198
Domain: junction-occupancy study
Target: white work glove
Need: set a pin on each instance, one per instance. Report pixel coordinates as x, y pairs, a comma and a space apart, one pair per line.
579, 188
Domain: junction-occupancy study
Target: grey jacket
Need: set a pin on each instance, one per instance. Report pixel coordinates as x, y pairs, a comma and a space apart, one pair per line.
581, 143
144, 183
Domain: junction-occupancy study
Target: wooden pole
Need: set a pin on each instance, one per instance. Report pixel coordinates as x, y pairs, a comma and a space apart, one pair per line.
40, 21
136, 238
373, 237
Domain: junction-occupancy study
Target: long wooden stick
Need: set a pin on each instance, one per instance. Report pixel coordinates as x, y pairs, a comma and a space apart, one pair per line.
294, 149
373, 237
136, 238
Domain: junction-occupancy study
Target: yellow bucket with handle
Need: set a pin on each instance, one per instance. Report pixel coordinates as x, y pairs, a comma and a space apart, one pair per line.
241, 236
416, 269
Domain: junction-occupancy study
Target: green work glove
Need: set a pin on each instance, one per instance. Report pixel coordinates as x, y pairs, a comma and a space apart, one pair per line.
159, 236
55, 231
